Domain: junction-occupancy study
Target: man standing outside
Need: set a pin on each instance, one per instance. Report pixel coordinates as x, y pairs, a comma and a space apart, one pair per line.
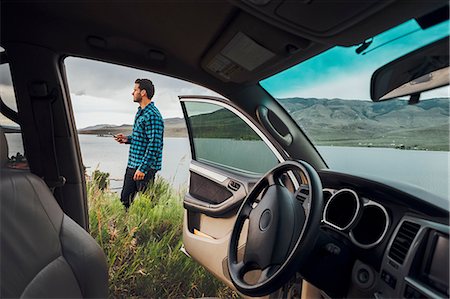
146, 143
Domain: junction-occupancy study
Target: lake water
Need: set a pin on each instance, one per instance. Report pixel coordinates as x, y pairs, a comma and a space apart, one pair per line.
427, 169
107, 155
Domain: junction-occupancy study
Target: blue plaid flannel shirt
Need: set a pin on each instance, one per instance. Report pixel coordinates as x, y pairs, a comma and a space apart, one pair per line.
146, 141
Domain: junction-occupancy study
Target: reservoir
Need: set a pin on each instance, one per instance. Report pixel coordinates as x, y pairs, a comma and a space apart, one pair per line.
426, 169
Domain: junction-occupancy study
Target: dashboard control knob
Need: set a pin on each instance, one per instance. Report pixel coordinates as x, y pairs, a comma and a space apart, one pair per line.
363, 275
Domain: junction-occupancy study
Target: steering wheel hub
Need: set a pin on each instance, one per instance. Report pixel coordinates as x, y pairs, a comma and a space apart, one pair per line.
266, 220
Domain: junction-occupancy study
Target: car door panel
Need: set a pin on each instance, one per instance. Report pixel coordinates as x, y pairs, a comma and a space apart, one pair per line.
215, 194
211, 251
223, 170
211, 207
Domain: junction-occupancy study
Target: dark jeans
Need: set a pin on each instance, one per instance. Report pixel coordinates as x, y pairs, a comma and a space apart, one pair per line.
131, 187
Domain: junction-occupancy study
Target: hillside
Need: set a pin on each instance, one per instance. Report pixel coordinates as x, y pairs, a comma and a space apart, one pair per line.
173, 127
335, 122
221, 124
365, 123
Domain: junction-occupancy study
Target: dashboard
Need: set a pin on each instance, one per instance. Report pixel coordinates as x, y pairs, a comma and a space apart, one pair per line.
365, 221
380, 240
416, 262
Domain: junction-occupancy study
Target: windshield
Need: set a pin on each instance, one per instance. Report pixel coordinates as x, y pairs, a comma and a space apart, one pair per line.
329, 98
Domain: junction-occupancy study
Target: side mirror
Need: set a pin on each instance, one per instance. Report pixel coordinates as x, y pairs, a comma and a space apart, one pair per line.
424, 69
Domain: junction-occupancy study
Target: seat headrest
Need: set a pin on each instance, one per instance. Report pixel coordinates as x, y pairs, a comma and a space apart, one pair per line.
3, 149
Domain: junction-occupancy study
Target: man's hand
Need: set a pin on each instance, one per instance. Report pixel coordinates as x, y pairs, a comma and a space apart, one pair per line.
121, 138
138, 175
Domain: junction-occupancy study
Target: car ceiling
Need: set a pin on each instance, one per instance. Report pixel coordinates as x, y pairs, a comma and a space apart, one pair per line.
179, 38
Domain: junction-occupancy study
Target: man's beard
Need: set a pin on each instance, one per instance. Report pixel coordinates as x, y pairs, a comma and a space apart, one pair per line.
137, 100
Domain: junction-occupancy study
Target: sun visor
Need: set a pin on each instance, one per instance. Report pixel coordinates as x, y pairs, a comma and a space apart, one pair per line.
241, 53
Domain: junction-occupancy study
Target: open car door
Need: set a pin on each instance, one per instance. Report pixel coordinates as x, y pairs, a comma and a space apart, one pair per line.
229, 154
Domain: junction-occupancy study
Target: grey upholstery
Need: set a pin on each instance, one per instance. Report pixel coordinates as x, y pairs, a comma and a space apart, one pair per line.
44, 253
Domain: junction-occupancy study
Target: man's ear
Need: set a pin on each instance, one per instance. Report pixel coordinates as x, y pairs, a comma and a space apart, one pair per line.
143, 92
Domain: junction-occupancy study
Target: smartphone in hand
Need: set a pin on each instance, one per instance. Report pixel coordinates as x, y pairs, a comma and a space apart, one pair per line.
120, 138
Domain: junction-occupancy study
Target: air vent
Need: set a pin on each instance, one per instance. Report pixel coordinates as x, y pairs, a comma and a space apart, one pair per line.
302, 193
403, 241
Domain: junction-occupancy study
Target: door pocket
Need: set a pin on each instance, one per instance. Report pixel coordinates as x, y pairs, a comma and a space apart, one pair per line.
206, 190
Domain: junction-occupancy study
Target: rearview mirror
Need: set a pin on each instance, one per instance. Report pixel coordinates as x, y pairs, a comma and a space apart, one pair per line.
421, 70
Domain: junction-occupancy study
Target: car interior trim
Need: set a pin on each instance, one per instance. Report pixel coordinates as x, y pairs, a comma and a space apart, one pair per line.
402, 272
386, 227
355, 215
207, 173
422, 288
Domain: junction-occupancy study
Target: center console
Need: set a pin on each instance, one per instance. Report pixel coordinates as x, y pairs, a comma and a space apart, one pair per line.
416, 262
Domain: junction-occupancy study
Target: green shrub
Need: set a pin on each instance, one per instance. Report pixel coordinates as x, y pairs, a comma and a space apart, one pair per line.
143, 245
101, 179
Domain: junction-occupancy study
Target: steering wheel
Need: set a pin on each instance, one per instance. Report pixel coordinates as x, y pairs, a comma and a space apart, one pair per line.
282, 228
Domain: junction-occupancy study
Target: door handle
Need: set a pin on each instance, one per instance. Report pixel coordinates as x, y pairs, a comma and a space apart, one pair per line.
263, 115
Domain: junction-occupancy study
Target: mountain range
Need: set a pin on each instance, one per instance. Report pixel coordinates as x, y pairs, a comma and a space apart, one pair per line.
366, 123
173, 127
336, 122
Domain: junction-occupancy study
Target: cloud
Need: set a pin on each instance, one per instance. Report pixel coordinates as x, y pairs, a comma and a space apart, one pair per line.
351, 86
100, 89
90, 110
443, 92
80, 93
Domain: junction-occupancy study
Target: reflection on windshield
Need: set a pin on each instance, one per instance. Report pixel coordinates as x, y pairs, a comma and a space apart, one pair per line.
328, 96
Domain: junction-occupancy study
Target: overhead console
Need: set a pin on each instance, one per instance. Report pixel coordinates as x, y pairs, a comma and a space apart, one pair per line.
249, 46
416, 261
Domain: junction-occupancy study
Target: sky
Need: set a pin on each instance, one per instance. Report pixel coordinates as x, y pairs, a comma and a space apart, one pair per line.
341, 73
101, 92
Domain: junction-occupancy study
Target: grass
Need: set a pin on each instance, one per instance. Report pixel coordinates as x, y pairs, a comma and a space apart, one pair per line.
143, 245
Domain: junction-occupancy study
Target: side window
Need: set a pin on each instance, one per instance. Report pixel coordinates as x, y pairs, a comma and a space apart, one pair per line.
8, 117
222, 138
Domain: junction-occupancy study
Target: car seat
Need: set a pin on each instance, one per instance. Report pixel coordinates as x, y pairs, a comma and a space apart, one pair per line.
43, 253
